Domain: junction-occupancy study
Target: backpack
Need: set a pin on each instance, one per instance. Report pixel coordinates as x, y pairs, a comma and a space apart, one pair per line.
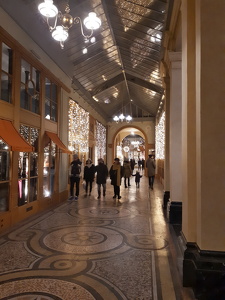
75, 169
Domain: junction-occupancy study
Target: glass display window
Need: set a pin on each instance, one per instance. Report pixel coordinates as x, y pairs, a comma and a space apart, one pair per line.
4, 176
6, 73
51, 101
28, 167
30, 88
49, 168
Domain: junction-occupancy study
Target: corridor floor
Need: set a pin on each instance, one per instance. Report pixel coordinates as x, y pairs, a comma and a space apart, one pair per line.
94, 249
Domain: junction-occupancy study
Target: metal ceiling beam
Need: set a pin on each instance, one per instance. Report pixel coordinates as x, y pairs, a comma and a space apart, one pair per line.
81, 91
129, 77
107, 84
144, 84
114, 40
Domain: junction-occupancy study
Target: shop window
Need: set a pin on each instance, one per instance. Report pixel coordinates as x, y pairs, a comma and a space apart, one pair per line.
4, 176
49, 168
30, 88
28, 167
50, 100
6, 73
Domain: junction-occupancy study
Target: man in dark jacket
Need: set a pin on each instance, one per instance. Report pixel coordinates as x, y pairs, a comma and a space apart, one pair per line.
75, 169
102, 174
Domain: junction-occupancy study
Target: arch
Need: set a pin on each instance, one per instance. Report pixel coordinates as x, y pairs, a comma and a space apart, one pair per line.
124, 127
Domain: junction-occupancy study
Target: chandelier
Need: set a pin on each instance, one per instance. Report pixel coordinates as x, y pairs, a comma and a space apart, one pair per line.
122, 118
61, 23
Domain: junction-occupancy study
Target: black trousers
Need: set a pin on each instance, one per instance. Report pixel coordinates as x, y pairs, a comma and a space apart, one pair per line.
74, 180
116, 190
126, 181
88, 183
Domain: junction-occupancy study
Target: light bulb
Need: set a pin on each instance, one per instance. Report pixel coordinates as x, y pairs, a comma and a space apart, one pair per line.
48, 9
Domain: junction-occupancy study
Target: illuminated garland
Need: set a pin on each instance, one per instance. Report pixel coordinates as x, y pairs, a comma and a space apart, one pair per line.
78, 128
160, 138
100, 140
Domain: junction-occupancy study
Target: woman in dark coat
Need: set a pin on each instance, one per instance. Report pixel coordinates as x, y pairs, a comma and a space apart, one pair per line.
102, 174
116, 174
150, 165
89, 174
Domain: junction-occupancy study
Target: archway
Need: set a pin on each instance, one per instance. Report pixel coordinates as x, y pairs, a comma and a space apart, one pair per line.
130, 142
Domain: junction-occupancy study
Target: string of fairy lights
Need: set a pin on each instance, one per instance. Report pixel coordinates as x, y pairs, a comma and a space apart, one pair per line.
100, 140
78, 128
78, 138
160, 137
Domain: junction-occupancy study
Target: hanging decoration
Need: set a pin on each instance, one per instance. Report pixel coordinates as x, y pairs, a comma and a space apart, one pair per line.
160, 137
78, 128
100, 140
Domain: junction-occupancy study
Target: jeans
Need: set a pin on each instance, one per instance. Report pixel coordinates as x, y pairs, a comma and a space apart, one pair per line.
99, 188
151, 181
126, 181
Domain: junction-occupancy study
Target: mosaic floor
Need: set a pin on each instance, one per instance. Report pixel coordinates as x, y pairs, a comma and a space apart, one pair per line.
94, 249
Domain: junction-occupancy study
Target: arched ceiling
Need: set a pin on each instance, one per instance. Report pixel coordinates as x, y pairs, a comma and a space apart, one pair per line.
121, 68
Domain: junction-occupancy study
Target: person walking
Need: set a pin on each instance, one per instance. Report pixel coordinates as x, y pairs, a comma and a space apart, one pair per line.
137, 178
89, 174
74, 172
102, 174
116, 174
150, 165
132, 164
127, 172
139, 164
143, 164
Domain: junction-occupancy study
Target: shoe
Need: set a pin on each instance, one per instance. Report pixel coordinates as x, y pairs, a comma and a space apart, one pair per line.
89, 194
125, 186
103, 194
114, 196
70, 198
76, 197
119, 197
98, 197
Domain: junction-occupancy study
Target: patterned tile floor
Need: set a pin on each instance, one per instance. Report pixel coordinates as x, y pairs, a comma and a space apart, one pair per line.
94, 249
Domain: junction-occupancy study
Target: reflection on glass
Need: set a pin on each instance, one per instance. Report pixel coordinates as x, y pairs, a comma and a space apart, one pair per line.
22, 191
49, 169
54, 111
50, 100
4, 165
4, 176
33, 190
6, 74
4, 196
30, 85
47, 108
33, 164
24, 103
23, 165
6, 88
28, 167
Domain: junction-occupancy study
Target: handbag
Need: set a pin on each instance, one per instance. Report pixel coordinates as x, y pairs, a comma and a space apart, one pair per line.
84, 185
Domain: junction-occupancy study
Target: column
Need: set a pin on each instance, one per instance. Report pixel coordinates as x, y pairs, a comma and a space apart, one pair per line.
166, 197
203, 146
175, 204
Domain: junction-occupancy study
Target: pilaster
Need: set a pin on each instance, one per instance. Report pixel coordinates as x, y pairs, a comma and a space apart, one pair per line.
175, 204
